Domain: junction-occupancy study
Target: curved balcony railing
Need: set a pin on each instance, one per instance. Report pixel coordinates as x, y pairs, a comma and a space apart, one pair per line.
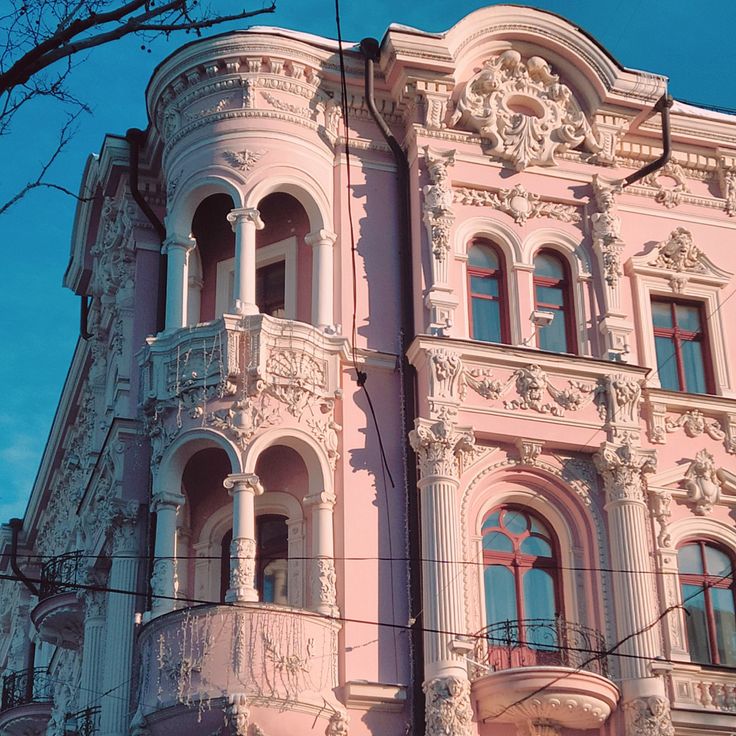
61, 574
28, 686
542, 642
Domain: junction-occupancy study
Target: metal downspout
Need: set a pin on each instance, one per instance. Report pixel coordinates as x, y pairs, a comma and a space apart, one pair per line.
135, 137
662, 106
371, 50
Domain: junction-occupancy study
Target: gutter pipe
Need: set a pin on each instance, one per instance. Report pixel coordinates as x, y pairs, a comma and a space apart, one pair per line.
15, 526
371, 50
136, 138
662, 106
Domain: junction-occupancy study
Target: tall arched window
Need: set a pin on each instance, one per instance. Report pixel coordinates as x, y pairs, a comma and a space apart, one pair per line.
552, 294
521, 585
707, 585
486, 293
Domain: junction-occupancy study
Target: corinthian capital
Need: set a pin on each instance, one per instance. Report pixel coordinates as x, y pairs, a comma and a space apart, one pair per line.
623, 468
439, 446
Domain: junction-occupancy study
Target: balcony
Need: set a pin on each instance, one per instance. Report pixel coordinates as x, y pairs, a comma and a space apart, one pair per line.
59, 615
543, 675
195, 660
26, 703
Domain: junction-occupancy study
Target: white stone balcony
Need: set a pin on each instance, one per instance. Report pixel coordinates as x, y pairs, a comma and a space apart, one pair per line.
195, 661
59, 615
25, 708
542, 676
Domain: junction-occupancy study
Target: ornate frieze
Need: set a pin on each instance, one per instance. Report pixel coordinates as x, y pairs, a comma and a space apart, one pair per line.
623, 468
448, 708
702, 483
522, 111
649, 717
518, 203
668, 196
532, 385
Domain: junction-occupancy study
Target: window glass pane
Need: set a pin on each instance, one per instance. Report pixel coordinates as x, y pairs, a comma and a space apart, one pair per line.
486, 285
483, 257
486, 320
688, 317
723, 613
270, 288
689, 559
536, 546
662, 314
500, 595
498, 542
539, 594
515, 521
693, 599
549, 295
717, 563
545, 264
666, 363
692, 359
537, 527
553, 337
492, 520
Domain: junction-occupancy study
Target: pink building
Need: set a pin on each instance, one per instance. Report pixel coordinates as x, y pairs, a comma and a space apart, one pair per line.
537, 302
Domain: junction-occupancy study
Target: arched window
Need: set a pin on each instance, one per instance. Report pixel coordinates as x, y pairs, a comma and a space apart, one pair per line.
521, 585
707, 585
486, 292
552, 294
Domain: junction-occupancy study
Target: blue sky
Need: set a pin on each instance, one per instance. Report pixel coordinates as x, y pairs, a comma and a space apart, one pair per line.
689, 42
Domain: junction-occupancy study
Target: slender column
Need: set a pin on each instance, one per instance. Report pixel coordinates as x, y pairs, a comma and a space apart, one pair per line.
623, 468
164, 583
323, 577
119, 628
322, 277
439, 446
243, 488
245, 222
177, 249
93, 650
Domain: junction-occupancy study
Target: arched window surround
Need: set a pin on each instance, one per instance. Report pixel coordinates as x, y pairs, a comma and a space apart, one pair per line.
499, 276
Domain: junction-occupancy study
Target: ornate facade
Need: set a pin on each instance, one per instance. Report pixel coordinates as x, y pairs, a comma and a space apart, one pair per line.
227, 534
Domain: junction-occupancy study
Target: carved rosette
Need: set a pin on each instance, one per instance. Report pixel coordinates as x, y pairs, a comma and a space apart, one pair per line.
649, 717
524, 114
702, 483
448, 708
440, 447
623, 468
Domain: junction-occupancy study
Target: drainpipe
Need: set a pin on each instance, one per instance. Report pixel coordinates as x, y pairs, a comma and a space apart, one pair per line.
136, 138
16, 525
371, 50
662, 106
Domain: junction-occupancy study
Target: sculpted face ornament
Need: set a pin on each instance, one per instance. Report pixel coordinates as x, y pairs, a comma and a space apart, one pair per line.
523, 112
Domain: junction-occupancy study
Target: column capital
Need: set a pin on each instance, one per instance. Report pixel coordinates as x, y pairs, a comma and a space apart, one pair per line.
182, 242
320, 237
244, 215
439, 446
166, 498
239, 482
321, 499
623, 468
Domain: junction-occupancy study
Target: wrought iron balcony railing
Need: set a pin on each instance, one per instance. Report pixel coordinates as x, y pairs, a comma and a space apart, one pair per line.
61, 574
83, 723
542, 642
27, 686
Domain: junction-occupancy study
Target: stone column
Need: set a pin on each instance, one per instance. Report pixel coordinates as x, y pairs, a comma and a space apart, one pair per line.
164, 584
636, 611
321, 242
243, 487
177, 249
119, 627
93, 649
323, 577
439, 446
245, 222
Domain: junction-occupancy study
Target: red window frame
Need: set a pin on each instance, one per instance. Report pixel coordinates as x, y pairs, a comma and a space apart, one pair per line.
567, 303
707, 581
677, 336
499, 274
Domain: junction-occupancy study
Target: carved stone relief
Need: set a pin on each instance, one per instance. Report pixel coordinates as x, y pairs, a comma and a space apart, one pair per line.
668, 196
448, 708
660, 502
649, 717
243, 160
622, 468
727, 179
238, 713
606, 230
522, 111
702, 483
439, 447
679, 253
337, 725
